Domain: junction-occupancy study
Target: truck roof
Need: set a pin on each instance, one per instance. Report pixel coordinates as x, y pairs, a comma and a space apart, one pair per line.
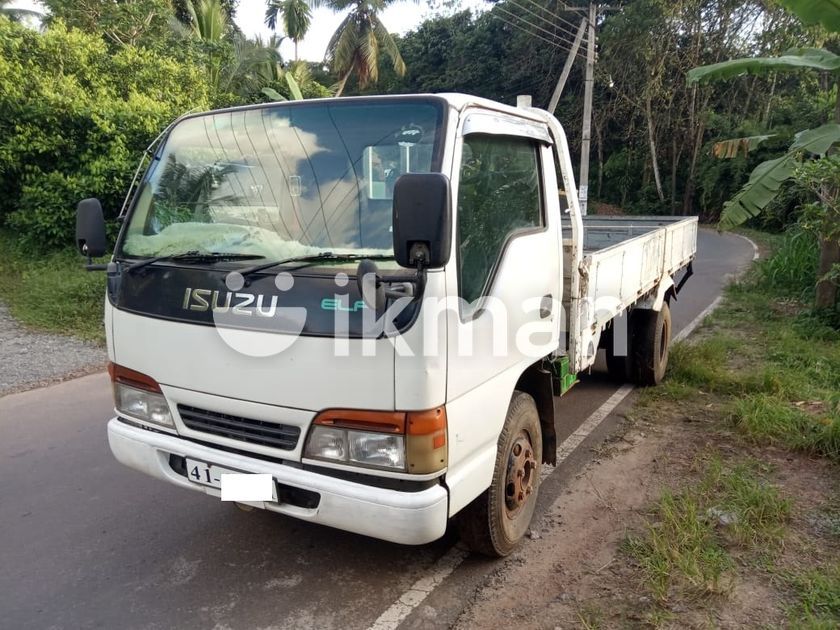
456, 100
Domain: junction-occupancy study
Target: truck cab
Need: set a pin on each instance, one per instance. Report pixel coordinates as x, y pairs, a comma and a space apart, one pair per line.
374, 301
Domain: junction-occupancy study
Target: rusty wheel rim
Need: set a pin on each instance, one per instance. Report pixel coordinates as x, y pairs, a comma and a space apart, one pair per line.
521, 475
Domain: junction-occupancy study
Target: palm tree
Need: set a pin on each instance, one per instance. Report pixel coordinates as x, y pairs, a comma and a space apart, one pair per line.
356, 45
295, 15
252, 63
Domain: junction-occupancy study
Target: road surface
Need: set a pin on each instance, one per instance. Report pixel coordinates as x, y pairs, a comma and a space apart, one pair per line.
87, 543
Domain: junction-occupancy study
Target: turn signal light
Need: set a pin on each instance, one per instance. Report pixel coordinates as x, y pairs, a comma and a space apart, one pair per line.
120, 374
417, 445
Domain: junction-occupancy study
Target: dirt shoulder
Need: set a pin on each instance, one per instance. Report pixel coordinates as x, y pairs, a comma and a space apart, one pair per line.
716, 505
576, 571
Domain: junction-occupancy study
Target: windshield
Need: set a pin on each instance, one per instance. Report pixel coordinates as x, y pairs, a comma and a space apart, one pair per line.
284, 180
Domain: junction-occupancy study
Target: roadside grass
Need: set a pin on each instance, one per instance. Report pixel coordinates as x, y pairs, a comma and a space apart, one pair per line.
763, 371
685, 548
773, 365
590, 617
51, 292
818, 593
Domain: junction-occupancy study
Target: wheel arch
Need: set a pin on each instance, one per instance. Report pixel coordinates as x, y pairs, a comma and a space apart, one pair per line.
538, 382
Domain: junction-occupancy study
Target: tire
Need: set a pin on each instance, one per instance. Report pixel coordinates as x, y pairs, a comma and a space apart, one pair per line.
495, 522
618, 367
650, 345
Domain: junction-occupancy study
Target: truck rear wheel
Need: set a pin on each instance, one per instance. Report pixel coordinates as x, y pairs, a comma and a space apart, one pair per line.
497, 519
618, 366
650, 344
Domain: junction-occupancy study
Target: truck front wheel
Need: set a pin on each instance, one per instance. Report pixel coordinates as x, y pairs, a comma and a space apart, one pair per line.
497, 519
650, 344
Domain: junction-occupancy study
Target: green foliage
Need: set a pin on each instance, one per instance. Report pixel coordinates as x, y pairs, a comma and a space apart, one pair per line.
824, 12
767, 178
684, 549
74, 120
360, 42
790, 272
51, 291
182, 11
818, 594
794, 59
766, 418
295, 16
139, 22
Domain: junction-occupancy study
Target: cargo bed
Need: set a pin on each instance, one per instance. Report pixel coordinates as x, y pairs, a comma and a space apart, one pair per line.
624, 260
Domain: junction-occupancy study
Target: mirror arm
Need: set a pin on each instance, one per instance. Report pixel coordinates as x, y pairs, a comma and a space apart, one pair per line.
90, 265
417, 284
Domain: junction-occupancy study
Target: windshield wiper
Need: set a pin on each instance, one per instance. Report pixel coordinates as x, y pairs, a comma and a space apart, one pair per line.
193, 257
313, 259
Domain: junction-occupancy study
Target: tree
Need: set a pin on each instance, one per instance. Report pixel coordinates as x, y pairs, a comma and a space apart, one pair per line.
357, 44
182, 11
767, 178
121, 23
235, 64
295, 15
75, 118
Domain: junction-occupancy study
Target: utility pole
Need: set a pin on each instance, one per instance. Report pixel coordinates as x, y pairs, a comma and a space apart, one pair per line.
561, 82
586, 135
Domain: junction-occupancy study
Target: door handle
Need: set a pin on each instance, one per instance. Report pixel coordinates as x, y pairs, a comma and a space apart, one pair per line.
546, 304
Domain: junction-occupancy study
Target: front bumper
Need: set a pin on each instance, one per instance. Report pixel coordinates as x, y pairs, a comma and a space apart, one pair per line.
409, 518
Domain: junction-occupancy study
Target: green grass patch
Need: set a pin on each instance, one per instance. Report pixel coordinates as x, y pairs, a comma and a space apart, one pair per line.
52, 291
818, 594
775, 363
685, 548
771, 419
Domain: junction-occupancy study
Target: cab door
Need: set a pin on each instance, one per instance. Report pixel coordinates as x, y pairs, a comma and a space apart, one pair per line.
507, 274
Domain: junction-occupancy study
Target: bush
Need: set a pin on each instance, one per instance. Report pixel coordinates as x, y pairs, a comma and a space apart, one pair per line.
792, 270
75, 118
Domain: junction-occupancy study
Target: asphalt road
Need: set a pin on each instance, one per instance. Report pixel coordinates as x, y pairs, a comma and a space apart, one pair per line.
87, 543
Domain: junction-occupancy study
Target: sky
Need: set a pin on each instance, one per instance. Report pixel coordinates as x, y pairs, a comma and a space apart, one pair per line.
399, 18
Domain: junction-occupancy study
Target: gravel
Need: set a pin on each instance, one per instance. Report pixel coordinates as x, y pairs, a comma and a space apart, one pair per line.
32, 359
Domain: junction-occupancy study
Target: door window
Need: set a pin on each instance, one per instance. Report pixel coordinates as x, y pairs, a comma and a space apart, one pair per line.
498, 197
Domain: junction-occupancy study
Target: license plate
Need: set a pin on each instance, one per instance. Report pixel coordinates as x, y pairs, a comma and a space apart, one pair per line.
206, 474
235, 486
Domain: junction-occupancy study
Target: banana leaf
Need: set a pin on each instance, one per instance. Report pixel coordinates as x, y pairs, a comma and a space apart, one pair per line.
727, 149
767, 178
824, 12
793, 59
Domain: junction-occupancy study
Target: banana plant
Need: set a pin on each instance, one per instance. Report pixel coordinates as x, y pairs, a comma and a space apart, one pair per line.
294, 89
767, 178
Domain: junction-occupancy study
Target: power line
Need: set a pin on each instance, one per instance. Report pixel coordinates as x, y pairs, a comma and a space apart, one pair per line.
558, 31
529, 32
521, 19
533, 34
555, 16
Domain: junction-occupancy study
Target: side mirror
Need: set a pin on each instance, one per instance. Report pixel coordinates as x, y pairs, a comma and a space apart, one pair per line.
422, 220
90, 228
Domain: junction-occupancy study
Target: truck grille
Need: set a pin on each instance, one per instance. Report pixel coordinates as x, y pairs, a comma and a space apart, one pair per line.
280, 436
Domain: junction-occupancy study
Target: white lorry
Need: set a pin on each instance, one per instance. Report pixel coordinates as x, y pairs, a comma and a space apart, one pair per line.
372, 302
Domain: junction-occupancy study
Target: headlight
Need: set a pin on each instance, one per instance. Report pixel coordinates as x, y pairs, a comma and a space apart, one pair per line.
139, 396
399, 441
357, 447
143, 405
